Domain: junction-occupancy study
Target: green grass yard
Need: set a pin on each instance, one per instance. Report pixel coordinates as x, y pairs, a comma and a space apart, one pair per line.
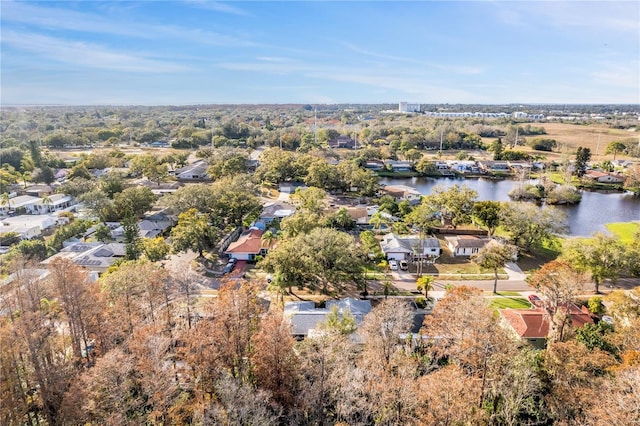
624, 230
500, 302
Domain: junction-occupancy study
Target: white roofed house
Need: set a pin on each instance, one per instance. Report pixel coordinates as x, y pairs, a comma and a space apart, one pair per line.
399, 166
402, 193
466, 245
95, 257
28, 226
196, 171
272, 211
50, 204
305, 318
603, 177
409, 247
13, 203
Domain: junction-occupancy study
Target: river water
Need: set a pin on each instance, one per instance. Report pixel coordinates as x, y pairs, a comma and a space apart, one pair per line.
594, 211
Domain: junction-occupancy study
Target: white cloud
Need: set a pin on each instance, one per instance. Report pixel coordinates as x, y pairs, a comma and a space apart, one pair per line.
217, 6
458, 69
600, 16
88, 55
407, 82
49, 18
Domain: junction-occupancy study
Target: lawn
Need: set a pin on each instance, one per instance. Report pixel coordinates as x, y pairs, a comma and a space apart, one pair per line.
540, 254
500, 302
624, 230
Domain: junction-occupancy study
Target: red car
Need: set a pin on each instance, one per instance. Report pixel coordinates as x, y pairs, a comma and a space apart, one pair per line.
535, 300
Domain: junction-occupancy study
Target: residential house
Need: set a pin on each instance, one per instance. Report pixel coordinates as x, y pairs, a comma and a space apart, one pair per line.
442, 166
342, 141
18, 203
532, 325
494, 166
375, 165
272, 211
402, 193
291, 187
95, 257
622, 163
466, 245
248, 246
465, 166
23, 232
26, 223
150, 227
409, 247
520, 166
50, 204
603, 177
399, 166
305, 318
359, 214
38, 190
196, 171
159, 189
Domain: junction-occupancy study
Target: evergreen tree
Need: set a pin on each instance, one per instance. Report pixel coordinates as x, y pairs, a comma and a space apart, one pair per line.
583, 155
131, 237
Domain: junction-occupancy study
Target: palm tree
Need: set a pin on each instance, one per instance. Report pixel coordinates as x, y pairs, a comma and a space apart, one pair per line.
425, 283
25, 176
268, 237
377, 220
46, 201
6, 201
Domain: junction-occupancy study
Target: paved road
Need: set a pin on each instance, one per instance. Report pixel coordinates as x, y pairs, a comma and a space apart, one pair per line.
403, 280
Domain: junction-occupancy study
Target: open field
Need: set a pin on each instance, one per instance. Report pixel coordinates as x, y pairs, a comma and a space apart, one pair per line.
570, 136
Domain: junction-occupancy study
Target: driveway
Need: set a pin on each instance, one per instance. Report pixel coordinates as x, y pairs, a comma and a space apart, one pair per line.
178, 262
514, 272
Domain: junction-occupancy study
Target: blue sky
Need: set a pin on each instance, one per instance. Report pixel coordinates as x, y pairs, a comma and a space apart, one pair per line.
188, 52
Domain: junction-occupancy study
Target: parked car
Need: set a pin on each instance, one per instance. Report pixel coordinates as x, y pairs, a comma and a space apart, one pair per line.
232, 260
228, 268
535, 300
404, 265
393, 265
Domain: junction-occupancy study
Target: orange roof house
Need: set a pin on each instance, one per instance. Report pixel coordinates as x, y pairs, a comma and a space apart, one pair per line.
532, 325
248, 246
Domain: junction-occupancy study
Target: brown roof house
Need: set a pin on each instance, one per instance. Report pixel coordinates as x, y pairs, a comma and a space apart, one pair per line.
402, 193
248, 246
532, 325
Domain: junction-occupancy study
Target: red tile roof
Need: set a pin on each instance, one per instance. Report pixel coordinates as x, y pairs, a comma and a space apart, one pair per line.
532, 323
249, 242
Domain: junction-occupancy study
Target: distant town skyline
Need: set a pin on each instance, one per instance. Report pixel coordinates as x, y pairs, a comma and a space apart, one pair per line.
201, 52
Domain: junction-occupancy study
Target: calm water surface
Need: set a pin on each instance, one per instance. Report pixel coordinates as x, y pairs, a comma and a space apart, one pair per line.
590, 215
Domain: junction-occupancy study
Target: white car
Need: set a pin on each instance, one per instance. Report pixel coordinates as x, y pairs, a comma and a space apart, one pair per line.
393, 264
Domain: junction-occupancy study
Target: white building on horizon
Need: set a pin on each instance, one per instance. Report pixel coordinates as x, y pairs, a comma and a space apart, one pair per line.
407, 107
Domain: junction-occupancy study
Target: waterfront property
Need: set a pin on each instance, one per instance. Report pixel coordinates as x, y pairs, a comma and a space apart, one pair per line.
466, 245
